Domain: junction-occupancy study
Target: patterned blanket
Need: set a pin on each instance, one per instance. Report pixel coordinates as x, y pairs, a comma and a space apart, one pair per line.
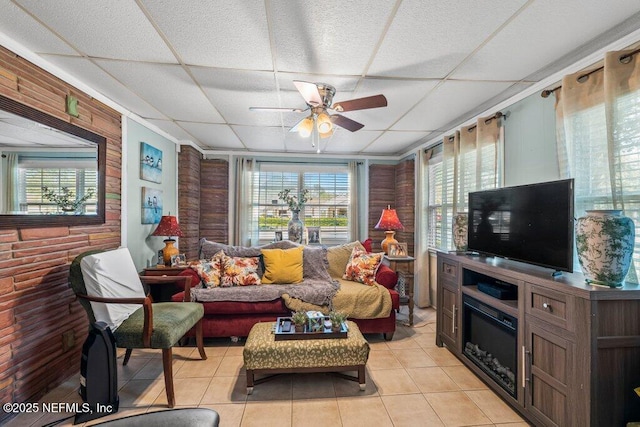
356, 300
312, 291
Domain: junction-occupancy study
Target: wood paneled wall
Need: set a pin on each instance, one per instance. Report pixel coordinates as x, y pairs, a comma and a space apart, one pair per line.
392, 185
37, 307
189, 199
214, 204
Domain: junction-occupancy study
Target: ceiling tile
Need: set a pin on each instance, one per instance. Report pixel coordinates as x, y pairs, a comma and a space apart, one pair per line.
450, 100
401, 96
97, 79
344, 141
430, 40
210, 136
234, 91
103, 29
173, 129
394, 143
227, 33
332, 36
261, 138
27, 31
521, 47
168, 87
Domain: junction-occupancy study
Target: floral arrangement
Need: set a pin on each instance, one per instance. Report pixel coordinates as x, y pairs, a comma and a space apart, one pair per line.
295, 203
66, 200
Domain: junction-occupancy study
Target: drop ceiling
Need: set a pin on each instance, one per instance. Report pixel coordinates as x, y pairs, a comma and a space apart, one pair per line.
193, 68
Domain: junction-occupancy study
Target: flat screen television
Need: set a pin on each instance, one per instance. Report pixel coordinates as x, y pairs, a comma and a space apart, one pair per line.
529, 223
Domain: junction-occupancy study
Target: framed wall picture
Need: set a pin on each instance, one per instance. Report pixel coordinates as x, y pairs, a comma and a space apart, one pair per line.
150, 163
314, 235
178, 260
278, 236
398, 250
151, 205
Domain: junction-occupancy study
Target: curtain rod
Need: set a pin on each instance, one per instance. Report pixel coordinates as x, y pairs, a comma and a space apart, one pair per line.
488, 120
627, 56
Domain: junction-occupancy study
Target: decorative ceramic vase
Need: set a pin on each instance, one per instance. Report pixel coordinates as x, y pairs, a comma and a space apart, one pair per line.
604, 242
460, 228
295, 227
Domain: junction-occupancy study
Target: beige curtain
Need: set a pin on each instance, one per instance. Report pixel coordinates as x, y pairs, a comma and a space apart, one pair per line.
422, 284
598, 137
245, 230
354, 190
477, 160
10, 185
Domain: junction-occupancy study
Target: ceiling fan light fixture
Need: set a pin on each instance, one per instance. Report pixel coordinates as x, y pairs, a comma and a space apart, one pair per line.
326, 134
324, 123
306, 127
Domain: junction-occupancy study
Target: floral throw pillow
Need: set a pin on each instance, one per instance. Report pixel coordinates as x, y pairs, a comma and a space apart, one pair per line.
362, 266
210, 272
239, 271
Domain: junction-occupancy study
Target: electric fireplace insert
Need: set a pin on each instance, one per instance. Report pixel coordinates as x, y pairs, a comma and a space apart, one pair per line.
490, 342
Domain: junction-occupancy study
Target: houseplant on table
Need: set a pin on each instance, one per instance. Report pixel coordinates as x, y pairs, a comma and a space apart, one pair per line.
295, 203
299, 319
336, 320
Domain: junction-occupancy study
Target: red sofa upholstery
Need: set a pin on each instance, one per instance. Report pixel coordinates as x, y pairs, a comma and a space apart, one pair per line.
231, 318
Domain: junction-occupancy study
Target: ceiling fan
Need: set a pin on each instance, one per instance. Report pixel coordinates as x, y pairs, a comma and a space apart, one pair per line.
319, 99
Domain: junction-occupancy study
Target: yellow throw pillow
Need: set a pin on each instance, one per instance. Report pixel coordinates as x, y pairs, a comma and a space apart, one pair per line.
282, 266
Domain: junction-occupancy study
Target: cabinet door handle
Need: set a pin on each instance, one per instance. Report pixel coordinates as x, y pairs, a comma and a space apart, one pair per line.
547, 306
525, 356
455, 320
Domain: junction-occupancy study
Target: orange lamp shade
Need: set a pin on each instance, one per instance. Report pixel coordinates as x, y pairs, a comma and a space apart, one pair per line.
389, 222
169, 227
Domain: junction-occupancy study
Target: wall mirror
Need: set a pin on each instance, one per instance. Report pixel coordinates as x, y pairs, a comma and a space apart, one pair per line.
52, 173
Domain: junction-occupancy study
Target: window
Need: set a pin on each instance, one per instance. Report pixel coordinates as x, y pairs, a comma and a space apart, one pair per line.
33, 175
591, 161
328, 207
455, 168
440, 201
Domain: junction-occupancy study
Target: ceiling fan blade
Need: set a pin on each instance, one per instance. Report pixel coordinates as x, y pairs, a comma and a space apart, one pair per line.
346, 123
309, 92
361, 103
295, 110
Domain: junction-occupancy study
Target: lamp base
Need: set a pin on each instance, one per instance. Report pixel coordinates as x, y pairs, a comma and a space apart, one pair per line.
169, 251
387, 240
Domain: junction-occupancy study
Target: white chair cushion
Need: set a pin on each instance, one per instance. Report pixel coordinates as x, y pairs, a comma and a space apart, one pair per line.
112, 274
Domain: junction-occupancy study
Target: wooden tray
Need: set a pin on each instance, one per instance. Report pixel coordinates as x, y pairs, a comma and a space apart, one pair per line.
281, 335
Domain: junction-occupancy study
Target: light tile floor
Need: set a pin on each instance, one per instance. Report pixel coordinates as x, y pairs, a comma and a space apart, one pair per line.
410, 382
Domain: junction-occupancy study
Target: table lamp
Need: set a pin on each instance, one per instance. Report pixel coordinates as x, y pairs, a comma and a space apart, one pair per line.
169, 227
390, 223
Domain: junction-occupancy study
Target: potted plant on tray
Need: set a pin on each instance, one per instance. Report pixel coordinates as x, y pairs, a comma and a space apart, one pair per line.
299, 319
336, 320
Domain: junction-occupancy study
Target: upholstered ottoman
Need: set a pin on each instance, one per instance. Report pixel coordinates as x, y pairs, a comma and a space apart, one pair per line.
264, 355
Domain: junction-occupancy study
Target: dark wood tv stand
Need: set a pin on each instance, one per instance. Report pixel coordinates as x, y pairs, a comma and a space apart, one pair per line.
578, 357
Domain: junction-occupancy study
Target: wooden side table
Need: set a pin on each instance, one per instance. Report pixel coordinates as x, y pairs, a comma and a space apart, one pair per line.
403, 266
162, 290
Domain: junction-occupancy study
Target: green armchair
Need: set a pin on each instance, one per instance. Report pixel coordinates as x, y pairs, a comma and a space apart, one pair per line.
110, 290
